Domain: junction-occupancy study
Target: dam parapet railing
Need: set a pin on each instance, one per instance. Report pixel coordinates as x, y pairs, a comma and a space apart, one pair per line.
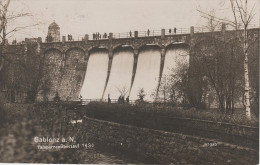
171, 31
113, 101
131, 102
166, 31
142, 33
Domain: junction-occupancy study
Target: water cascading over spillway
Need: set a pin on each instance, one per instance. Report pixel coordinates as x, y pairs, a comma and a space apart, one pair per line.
95, 76
176, 63
175, 58
147, 73
120, 75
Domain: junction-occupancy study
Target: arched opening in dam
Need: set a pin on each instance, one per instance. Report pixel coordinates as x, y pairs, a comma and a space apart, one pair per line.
95, 77
121, 73
147, 72
175, 66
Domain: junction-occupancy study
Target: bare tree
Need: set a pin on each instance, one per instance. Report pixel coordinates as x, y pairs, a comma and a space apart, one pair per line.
3, 18
245, 18
174, 86
220, 62
241, 14
8, 17
123, 90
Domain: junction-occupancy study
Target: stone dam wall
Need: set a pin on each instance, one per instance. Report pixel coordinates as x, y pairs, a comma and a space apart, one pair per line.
36, 71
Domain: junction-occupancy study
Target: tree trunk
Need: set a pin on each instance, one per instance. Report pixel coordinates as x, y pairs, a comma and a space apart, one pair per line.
2, 63
247, 96
247, 101
3, 20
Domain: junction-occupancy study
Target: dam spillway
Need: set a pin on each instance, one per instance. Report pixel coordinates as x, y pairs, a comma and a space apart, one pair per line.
95, 77
147, 73
121, 73
119, 80
175, 65
175, 58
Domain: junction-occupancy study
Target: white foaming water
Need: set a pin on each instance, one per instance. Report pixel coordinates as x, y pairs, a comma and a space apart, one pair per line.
95, 77
120, 75
147, 74
174, 58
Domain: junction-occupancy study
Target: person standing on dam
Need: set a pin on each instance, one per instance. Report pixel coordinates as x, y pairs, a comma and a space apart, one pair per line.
108, 99
127, 100
119, 99
99, 36
80, 98
123, 99
148, 32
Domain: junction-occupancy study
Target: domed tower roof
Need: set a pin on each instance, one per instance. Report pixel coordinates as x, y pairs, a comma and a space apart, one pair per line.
53, 25
53, 34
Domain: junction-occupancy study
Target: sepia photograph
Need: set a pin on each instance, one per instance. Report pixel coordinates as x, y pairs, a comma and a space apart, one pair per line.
129, 82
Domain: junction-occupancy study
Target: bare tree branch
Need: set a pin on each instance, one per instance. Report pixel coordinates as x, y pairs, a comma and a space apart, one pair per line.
18, 16
220, 19
20, 28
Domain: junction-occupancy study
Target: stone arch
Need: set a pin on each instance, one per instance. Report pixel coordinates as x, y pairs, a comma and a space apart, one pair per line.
78, 50
52, 56
96, 49
177, 45
120, 45
97, 46
170, 46
77, 57
75, 47
145, 46
116, 49
52, 49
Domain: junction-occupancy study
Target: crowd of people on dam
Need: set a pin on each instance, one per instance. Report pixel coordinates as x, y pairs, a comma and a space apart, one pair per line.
98, 36
122, 100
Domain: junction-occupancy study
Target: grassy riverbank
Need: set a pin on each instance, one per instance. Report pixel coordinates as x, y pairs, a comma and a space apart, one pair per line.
119, 111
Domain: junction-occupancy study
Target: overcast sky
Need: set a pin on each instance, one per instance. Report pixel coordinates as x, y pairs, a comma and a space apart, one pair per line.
79, 17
